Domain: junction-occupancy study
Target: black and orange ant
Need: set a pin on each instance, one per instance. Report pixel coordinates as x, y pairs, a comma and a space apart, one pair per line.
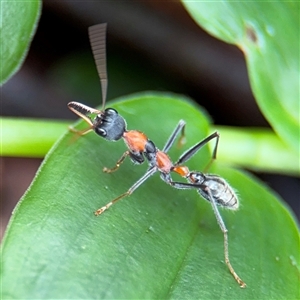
111, 126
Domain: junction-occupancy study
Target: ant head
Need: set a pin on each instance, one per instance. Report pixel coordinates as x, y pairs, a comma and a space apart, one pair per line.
109, 124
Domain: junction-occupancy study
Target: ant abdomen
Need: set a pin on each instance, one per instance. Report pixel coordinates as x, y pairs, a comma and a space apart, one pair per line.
218, 188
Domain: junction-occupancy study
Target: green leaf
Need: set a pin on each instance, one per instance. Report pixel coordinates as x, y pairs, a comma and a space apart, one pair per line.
18, 21
268, 34
159, 242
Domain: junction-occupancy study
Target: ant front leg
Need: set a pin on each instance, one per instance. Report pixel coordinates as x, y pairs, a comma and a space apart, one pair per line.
81, 132
83, 111
119, 162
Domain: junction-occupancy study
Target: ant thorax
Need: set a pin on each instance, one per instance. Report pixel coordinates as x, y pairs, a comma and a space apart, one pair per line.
150, 153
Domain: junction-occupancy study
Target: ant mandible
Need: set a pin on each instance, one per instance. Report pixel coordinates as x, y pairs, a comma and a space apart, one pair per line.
112, 127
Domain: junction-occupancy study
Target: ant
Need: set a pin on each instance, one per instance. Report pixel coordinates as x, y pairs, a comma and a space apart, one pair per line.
112, 127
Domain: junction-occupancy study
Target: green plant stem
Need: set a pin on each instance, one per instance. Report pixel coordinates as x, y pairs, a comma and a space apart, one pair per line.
258, 149
29, 137
255, 149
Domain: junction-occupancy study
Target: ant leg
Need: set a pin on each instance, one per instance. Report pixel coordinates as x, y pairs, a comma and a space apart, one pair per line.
81, 132
119, 162
182, 138
179, 185
183, 185
83, 111
194, 149
225, 231
179, 128
214, 155
129, 192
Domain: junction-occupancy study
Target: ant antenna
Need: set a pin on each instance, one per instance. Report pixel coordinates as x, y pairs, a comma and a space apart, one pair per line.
97, 35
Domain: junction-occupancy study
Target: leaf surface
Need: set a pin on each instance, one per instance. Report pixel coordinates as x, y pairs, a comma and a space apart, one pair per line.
268, 34
159, 242
18, 24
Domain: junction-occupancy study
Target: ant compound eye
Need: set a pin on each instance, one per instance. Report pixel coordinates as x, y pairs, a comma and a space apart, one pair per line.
100, 131
111, 111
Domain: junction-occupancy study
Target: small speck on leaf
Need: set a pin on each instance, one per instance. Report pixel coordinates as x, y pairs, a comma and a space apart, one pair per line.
251, 34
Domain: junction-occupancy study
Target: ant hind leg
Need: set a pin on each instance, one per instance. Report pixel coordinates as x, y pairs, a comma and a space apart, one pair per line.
214, 155
225, 233
194, 149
